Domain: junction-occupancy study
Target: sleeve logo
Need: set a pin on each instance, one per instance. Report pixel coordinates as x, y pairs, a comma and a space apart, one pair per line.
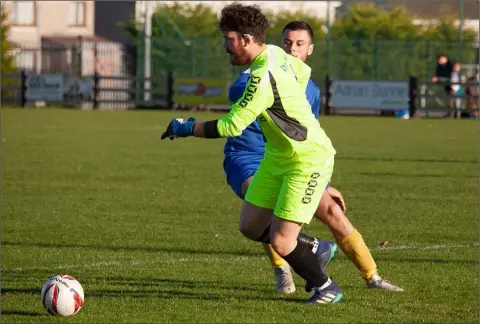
250, 91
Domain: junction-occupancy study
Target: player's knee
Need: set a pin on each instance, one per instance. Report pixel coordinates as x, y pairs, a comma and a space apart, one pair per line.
247, 231
282, 244
254, 233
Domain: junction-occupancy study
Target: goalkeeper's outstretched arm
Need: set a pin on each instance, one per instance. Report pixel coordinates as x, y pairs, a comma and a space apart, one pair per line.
257, 97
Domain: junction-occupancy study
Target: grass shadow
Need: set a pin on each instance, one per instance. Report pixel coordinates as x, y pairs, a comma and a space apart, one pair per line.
132, 248
180, 284
401, 159
193, 295
427, 260
406, 175
20, 291
22, 313
180, 292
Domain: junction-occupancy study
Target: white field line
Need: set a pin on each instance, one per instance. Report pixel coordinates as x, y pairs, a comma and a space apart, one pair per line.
135, 262
237, 259
425, 247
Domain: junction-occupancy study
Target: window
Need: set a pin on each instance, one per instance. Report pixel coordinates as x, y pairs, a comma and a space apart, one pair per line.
23, 13
76, 13
25, 60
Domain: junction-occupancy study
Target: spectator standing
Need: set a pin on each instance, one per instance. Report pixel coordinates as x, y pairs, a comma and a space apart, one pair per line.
443, 75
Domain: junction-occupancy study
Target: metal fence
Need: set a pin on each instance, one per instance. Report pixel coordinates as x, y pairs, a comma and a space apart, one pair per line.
26, 89
83, 58
206, 57
424, 100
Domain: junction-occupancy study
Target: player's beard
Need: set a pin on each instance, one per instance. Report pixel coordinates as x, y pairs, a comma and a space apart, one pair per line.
239, 57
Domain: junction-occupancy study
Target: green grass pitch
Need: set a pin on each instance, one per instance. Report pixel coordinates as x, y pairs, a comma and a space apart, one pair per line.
150, 227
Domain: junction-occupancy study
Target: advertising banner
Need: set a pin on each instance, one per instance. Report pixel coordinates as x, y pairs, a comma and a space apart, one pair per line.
76, 88
57, 87
384, 95
198, 91
44, 87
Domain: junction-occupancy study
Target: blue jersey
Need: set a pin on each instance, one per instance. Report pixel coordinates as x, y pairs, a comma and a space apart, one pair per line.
252, 139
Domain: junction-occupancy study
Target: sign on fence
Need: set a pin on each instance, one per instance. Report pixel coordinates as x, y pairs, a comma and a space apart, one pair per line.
56, 87
197, 91
44, 87
387, 95
76, 88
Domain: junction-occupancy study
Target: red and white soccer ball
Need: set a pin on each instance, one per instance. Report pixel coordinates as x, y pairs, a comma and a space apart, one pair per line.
62, 295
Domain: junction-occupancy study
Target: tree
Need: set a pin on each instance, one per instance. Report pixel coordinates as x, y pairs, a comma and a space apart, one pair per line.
7, 63
182, 34
443, 37
376, 43
186, 39
280, 19
189, 20
7, 59
367, 42
366, 21
446, 30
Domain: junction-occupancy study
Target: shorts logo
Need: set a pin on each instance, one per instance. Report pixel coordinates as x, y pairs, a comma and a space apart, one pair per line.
311, 186
252, 88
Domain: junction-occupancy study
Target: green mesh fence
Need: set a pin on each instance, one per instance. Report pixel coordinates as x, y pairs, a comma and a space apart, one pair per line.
342, 59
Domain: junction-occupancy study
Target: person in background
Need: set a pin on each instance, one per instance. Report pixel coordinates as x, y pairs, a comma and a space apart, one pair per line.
457, 79
443, 75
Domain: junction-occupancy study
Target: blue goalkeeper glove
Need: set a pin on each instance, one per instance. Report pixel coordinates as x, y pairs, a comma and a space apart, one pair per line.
179, 128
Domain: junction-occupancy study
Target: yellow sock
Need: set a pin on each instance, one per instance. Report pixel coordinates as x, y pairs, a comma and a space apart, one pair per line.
275, 259
357, 251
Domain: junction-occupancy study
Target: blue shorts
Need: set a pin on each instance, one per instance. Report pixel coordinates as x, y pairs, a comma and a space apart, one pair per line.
239, 168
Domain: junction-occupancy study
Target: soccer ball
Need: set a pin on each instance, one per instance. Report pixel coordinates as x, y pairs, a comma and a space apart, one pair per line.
62, 295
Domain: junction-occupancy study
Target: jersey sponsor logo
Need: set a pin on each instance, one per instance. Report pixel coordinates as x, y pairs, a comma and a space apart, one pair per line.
311, 186
250, 91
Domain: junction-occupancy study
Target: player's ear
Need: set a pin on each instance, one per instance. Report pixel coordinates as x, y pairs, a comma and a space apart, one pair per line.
247, 39
310, 49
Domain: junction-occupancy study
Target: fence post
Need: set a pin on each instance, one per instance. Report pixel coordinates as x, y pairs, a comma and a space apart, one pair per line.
427, 60
96, 76
23, 88
412, 94
96, 89
376, 57
170, 90
328, 95
78, 68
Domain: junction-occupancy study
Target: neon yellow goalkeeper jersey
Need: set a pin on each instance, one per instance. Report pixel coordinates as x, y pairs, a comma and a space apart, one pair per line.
275, 97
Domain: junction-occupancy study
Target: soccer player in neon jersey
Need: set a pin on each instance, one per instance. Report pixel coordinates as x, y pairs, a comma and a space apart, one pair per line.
299, 157
244, 153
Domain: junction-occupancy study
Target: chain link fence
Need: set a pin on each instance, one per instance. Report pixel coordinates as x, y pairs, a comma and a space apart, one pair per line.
341, 59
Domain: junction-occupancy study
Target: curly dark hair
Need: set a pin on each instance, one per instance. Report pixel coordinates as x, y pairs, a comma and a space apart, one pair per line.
244, 20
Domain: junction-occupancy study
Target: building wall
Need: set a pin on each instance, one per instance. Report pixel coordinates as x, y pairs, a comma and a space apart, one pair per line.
317, 8
109, 15
51, 20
